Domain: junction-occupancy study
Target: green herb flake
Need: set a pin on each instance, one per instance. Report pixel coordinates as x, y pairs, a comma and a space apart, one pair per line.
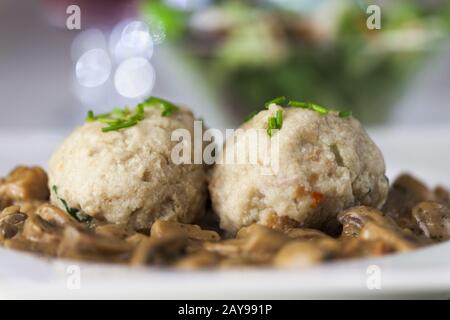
118, 126
319, 109
274, 123
298, 104
110, 121
73, 212
279, 118
167, 107
309, 106
121, 112
278, 101
344, 114
125, 118
103, 116
90, 116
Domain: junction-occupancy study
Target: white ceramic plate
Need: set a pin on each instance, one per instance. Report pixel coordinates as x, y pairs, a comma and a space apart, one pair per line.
423, 273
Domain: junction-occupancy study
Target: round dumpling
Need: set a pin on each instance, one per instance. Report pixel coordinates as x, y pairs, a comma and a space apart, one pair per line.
326, 163
127, 176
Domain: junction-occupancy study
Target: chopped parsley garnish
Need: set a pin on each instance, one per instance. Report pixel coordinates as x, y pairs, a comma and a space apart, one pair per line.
304, 105
167, 107
278, 101
309, 105
345, 114
124, 118
74, 213
90, 116
121, 112
277, 121
118, 118
279, 118
274, 123
119, 125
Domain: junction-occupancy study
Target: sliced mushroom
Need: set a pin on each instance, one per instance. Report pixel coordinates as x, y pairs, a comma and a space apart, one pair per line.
415, 215
404, 194
55, 215
31, 206
354, 247
25, 184
14, 218
7, 231
354, 219
159, 251
298, 255
227, 248
306, 234
77, 244
136, 238
161, 228
413, 187
120, 231
433, 219
391, 237
442, 195
255, 243
369, 224
238, 262
9, 210
12, 215
21, 244
39, 230
260, 240
201, 259
301, 254
11, 222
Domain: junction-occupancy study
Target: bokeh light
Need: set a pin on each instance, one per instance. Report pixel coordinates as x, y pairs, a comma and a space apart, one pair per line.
135, 41
134, 77
87, 40
93, 68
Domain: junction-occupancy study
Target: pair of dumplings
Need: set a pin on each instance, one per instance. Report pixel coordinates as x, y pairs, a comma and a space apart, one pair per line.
326, 163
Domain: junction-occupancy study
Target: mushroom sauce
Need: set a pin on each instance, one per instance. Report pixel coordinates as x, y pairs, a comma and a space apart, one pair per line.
413, 216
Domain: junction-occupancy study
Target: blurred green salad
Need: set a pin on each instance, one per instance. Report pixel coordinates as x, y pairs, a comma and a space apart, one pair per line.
319, 51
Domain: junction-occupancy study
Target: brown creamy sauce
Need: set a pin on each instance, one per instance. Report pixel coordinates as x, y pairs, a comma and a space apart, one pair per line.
413, 216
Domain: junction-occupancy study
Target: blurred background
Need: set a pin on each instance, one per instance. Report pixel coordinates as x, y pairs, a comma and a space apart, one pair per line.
224, 59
